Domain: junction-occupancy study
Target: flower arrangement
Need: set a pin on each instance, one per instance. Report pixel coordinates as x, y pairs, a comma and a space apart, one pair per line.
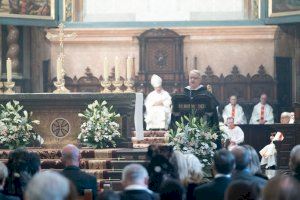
99, 128
195, 136
16, 126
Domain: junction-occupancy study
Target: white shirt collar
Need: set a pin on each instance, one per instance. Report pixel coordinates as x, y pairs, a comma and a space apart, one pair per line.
222, 175
137, 187
189, 87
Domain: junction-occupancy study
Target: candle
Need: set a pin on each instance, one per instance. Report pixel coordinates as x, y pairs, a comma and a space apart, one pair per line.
8, 69
105, 68
117, 69
58, 69
129, 68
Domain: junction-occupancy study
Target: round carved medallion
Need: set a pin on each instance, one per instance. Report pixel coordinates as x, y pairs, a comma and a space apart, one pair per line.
60, 127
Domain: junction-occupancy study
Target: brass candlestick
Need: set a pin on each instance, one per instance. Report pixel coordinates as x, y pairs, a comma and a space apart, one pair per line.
129, 84
1, 88
60, 87
118, 84
9, 87
106, 85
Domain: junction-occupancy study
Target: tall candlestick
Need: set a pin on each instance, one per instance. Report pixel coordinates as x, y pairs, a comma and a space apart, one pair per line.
8, 70
129, 68
117, 69
105, 68
58, 69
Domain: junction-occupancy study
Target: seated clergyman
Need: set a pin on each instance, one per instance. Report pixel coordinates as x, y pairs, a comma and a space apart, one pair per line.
262, 112
235, 111
158, 106
235, 133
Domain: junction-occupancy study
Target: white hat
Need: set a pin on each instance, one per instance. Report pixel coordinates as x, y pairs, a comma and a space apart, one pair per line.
156, 81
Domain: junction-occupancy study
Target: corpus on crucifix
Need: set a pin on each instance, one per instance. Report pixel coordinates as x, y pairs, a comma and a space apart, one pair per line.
60, 73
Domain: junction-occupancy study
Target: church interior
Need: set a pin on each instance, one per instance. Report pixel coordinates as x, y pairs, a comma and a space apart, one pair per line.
63, 63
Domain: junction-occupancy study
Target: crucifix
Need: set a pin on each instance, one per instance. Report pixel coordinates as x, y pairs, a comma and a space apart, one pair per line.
60, 73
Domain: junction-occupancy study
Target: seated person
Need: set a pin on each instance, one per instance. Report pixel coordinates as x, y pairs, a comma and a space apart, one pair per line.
158, 106
235, 134
3, 177
287, 118
262, 112
235, 111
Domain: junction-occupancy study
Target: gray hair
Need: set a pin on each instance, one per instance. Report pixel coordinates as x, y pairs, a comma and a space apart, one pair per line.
254, 165
3, 172
295, 159
70, 152
197, 72
134, 174
179, 161
48, 185
195, 173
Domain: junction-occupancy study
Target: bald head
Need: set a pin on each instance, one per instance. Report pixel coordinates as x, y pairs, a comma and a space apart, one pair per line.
242, 157
295, 159
135, 174
70, 155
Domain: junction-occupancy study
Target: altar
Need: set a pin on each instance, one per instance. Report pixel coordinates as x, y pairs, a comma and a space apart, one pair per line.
58, 113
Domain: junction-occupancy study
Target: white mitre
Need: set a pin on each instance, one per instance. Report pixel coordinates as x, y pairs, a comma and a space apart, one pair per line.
156, 81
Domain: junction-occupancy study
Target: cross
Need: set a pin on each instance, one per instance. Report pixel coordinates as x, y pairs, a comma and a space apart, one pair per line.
61, 37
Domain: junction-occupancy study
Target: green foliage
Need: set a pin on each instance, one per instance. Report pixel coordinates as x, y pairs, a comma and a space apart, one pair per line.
99, 128
16, 126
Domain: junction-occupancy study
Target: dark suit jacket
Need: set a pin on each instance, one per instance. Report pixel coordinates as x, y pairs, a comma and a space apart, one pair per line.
213, 190
247, 176
138, 195
81, 180
297, 177
6, 197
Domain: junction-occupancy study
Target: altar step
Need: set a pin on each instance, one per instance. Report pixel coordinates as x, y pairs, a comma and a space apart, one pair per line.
150, 137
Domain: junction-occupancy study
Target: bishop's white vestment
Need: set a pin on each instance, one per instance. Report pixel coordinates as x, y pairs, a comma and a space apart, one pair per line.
158, 117
262, 112
236, 112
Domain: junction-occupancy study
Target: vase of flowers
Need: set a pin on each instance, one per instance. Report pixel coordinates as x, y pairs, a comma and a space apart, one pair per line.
194, 135
99, 128
16, 126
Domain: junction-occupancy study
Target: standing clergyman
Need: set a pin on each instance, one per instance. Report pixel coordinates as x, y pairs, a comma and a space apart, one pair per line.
235, 111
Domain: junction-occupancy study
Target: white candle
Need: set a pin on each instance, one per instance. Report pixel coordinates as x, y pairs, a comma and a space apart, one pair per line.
105, 68
117, 69
8, 69
129, 68
58, 69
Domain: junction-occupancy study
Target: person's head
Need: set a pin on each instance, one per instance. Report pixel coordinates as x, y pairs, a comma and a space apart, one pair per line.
166, 151
282, 187
233, 100
223, 162
241, 189
194, 79
285, 117
3, 174
135, 174
35, 163
254, 164
242, 157
263, 98
295, 159
230, 122
172, 190
178, 160
108, 195
195, 173
156, 83
70, 155
47, 185
272, 136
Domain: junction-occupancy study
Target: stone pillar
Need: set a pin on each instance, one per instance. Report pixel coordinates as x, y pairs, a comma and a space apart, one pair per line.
13, 48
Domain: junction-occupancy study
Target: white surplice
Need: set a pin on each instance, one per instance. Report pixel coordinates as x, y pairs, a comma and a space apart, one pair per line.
158, 117
235, 135
256, 114
239, 115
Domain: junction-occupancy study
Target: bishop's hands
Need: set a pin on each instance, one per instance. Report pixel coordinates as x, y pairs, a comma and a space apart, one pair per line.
159, 103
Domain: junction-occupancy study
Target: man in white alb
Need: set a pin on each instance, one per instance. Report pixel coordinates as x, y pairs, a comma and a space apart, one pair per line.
235, 133
235, 111
262, 112
158, 106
